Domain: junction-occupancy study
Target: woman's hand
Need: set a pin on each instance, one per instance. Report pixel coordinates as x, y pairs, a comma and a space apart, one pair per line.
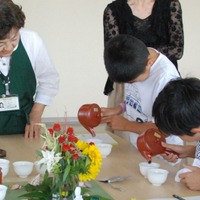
32, 130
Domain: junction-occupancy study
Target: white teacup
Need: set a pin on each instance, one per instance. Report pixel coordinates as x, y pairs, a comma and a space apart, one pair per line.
23, 168
145, 166
94, 140
4, 164
105, 149
40, 168
3, 190
157, 176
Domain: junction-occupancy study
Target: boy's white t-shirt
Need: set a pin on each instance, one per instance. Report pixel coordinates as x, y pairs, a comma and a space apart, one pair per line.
140, 96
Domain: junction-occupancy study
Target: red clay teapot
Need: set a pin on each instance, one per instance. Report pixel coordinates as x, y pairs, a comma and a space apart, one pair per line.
149, 144
89, 115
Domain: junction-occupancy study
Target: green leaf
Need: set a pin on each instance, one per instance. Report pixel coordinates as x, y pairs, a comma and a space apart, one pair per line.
66, 173
39, 192
36, 196
39, 153
95, 197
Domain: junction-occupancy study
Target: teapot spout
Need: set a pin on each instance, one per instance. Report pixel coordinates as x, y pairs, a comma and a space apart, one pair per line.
148, 156
90, 130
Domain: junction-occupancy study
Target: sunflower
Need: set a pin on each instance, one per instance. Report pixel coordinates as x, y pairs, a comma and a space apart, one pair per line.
95, 160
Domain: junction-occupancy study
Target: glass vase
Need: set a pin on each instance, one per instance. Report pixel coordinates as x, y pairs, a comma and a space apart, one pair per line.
64, 189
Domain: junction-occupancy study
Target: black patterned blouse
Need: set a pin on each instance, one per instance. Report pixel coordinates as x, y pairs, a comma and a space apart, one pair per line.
197, 154
162, 30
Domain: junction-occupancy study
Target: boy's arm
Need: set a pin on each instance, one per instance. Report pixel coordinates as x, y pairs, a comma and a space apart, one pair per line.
120, 123
107, 113
183, 151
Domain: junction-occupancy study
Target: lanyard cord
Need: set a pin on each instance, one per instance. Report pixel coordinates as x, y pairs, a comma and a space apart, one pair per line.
6, 82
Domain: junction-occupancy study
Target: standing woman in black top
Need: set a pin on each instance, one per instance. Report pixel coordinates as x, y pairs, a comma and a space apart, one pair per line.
158, 23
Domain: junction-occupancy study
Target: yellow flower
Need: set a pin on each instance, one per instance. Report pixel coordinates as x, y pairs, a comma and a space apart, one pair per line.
82, 146
94, 154
93, 171
96, 161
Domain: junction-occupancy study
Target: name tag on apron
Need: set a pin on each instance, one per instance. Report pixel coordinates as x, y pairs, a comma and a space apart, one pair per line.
9, 103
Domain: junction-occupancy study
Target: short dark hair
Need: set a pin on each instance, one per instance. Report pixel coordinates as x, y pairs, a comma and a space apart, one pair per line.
177, 107
11, 15
125, 58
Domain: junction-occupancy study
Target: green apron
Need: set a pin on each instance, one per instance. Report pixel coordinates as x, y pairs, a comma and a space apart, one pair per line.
23, 84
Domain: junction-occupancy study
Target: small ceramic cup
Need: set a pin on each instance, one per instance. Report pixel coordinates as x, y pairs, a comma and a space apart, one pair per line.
23, 168
94, 140
105, 149
40, 168
157, 176
145, 166
4, 164
3, 190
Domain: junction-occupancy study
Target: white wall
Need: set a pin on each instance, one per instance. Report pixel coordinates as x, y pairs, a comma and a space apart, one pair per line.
73, 33
190, 63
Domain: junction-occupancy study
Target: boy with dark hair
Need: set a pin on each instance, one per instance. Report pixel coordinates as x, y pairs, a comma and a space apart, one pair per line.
145, 72
126, 58
177, 111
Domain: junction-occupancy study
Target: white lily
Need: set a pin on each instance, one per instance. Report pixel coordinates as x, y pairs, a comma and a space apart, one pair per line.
50, 141
50, 159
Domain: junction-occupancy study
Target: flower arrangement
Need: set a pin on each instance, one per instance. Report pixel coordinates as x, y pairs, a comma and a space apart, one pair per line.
68, 160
